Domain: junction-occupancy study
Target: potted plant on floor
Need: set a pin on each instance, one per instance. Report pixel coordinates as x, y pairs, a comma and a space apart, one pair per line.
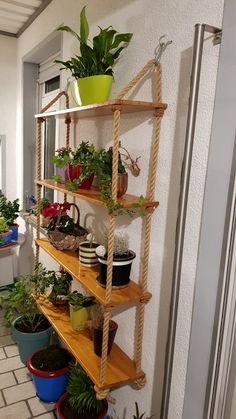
61, 160
5, 233
50, 370
81, 167
79, 313
93, 68
122, 260
87, 252
30, 328
80, 401
10, 211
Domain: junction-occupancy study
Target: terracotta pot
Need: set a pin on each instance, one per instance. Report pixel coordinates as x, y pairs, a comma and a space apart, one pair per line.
98, 334
76, 171
122, 184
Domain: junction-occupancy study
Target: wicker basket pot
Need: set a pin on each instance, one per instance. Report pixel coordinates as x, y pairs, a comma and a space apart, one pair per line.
65, 241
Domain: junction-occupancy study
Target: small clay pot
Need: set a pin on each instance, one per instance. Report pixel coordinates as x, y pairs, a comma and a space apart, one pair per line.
98, 334
76, 171
122, 184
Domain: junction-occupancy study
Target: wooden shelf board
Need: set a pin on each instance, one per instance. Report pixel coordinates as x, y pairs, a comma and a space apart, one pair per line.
93, 195
106, 108
120, 368
87, 277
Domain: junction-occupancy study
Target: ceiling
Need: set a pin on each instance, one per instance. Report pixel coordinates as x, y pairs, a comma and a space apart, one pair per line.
17, 15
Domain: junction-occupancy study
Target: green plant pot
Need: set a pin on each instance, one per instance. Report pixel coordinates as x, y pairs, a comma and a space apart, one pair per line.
94, 89
30, 342
78, 318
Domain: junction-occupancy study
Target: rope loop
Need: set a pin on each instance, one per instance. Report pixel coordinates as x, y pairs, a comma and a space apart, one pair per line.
140, 382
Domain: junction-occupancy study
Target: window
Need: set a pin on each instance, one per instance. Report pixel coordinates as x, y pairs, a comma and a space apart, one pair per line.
49, 84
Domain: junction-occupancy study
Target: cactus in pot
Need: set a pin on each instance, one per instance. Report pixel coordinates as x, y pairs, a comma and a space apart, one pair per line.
122, 260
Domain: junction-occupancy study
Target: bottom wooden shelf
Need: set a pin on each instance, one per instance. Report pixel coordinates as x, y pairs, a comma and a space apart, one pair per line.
120, 368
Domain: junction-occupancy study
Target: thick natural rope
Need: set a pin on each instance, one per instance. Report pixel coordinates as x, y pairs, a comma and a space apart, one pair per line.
39, 159
136, 78
39, 187
104, 394
107, 314
147, 228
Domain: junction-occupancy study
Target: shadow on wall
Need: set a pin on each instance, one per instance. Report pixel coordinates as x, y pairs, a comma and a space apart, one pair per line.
172, 212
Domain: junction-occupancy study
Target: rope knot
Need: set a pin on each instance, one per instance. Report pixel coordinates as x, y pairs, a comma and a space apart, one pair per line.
140, 382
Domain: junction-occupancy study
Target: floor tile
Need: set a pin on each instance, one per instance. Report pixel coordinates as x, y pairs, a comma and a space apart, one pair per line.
2, 313
2, 354
2, 403
7, 340
22, 375
7, 380
46, 416
10, 364
11, 350
4, 330
38, 407
15, 411
2, 321
19, 392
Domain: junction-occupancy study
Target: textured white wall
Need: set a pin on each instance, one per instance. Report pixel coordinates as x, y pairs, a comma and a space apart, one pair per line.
148, 20
8, 74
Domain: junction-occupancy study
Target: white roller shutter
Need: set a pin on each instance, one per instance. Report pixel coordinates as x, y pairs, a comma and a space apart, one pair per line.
48, 69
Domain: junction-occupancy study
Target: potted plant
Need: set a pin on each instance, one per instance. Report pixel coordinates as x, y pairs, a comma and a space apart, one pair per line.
79, 313
50, 370
92, 69
5, 233
81, 166
97, 330
55, 285
64, 233
61, 160
104, 174
122, 260
87, 252
80, 401
10, 211
30, 328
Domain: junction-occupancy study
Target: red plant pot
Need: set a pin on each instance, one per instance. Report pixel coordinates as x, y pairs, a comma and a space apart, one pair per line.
61, 416
76, 171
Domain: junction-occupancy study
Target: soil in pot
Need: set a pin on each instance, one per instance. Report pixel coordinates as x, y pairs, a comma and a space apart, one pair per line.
26, 327
52, 358
69, 413
98, 334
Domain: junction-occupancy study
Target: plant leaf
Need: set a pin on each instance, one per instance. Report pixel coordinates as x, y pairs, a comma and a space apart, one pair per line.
84, 27
121, 37
65, 28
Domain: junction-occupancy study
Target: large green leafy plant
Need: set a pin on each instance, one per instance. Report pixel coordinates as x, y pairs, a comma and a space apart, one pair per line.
81, 394
9, 209
96, 57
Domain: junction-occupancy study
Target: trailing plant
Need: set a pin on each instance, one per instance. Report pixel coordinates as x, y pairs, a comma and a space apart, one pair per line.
62, 156
96, 57
78, 300
9, 209
81, 393
60, 285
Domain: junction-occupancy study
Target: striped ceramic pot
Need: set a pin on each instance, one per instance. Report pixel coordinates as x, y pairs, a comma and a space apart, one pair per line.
87, 254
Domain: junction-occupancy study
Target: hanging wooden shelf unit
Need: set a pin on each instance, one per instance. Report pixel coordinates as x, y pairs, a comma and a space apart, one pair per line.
117, 368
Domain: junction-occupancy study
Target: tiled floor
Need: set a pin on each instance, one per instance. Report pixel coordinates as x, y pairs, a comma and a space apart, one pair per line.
17, 393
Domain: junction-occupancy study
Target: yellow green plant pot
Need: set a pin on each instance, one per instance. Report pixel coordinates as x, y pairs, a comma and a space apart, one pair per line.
94, 89
78, 318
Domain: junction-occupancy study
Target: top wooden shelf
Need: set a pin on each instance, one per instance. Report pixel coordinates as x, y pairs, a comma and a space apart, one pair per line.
106, 108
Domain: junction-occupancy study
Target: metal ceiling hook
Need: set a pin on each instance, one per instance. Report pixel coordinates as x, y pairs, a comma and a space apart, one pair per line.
159, 50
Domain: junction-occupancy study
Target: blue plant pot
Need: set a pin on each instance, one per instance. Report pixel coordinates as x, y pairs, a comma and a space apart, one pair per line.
5, 238
30, 342
50, 385
14, 235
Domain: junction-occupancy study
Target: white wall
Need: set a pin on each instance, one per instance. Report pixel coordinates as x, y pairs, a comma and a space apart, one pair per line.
148, 20
8, 75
